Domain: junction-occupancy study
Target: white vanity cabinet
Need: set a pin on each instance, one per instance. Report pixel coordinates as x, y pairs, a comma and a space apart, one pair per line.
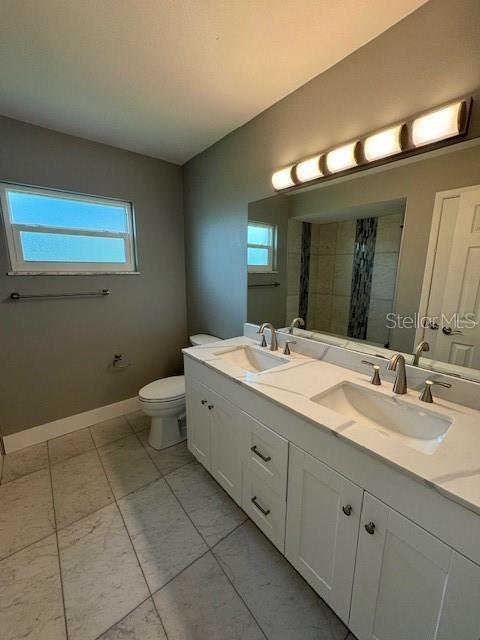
215, 436
198, 420
388, 554
409, 584
323, 517
265, 468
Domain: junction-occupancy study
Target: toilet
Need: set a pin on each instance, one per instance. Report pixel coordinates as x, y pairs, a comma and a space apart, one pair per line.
164, 402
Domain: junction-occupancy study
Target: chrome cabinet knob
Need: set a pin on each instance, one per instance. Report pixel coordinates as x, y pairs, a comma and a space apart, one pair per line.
203, 401
370, 528
210, 407
347, 509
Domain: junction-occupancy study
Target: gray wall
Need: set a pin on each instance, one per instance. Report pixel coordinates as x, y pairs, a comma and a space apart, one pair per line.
430, 57
55, 354
268, 304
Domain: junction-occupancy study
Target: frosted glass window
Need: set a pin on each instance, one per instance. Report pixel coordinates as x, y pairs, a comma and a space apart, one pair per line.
258, 257
59, 247
261, 249
59, 232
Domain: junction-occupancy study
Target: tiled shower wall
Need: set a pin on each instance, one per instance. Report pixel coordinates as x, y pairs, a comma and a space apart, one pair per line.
331, 265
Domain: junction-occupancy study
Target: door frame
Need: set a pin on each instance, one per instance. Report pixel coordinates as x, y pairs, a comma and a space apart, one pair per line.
440, 197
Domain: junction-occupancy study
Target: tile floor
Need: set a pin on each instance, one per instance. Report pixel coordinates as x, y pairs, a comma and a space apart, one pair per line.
103, 537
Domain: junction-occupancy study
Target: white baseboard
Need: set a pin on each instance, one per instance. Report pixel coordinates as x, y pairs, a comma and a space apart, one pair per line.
43, 432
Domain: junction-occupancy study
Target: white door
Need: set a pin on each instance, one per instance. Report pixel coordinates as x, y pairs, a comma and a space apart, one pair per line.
323, 516
455, 286
226, 444
198, 421
408, 585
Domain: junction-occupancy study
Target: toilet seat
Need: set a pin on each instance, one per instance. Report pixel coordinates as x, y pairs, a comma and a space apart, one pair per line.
163, 390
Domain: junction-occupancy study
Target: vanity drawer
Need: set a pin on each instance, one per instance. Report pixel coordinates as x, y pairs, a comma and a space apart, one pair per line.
264, 506
266, 454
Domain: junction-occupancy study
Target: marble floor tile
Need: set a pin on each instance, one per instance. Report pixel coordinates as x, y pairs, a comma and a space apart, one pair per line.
102, 580
69, 445
283, 604
31, 595
26, 511
164, 538
167, 460
25, 461
80, 487
201, 604
142, 624
127, 465
110, 430
210, 508
138, 420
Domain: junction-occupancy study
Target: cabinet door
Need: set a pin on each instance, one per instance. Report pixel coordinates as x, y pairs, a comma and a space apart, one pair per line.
198, 421
402, 582
226, 445
323, 516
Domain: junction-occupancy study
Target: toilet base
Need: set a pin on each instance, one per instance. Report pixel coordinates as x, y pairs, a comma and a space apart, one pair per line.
165, 432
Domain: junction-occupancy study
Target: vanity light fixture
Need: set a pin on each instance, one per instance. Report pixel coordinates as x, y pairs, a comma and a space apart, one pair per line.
283, 178
309, 169
443, 123
341, 158
439, 124
383, 144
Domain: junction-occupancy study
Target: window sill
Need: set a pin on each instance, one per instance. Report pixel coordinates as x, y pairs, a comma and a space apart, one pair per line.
74, 273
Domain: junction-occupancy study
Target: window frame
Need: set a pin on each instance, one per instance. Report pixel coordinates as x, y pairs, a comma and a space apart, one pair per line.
272, 249
19, 266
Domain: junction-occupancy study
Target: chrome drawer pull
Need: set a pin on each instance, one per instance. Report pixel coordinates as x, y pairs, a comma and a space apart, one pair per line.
260, 455
259, 507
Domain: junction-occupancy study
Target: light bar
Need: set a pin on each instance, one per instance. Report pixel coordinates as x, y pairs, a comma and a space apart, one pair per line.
282, 178
342, 158
438, 125
309, 169
383, 144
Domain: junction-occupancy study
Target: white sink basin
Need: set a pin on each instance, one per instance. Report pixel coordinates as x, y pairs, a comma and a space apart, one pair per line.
415, 426
250, 359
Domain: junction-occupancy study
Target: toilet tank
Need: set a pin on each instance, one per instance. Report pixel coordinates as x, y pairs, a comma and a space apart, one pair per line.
202, 338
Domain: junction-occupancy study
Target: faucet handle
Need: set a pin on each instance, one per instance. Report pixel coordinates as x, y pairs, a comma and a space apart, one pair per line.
426, 395
376, 373
263, 343
286, 350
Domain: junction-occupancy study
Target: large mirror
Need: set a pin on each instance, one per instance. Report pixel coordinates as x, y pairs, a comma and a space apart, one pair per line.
381, 260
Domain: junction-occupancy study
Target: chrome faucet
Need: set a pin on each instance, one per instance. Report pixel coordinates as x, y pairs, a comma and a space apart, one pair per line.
421, 346
300, 322
273, 333
397, 363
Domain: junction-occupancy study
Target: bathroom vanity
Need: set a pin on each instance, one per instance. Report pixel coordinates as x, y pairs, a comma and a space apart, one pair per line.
373, 497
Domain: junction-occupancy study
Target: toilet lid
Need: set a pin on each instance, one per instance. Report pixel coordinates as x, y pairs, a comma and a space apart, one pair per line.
164, 389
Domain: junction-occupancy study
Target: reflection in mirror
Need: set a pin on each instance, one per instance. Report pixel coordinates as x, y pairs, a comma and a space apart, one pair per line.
344, 271
384, 260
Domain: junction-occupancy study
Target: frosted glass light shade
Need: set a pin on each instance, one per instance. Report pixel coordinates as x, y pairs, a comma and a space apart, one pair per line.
282, 179
437, 125
341, 158
382, 144
309, 169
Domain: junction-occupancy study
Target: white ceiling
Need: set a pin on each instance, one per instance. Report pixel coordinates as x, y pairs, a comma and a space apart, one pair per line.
168, 78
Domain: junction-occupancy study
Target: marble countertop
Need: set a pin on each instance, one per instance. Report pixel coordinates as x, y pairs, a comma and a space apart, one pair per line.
453, 468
